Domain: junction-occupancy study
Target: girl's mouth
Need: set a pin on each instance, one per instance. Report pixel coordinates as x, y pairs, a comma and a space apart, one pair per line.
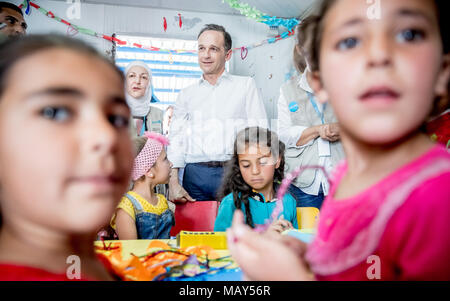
380, 93
257, 180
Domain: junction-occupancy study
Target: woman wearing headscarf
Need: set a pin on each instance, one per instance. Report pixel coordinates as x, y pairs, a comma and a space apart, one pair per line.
139, 96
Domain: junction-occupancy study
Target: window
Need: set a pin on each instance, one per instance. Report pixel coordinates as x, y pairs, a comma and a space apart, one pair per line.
171, 72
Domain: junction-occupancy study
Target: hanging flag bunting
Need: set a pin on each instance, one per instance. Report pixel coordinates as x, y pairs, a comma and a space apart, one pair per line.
28, 8
180, 20
74, 29
244, 52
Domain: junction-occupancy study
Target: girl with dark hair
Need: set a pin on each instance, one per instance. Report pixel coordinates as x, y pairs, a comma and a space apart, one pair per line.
388, 204
65, 156
252, 177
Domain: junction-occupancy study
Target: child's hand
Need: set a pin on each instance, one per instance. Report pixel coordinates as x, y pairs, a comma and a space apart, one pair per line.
265, 257
280, 225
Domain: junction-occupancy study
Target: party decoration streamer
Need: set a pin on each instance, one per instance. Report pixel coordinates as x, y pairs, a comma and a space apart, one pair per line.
246, 10
253, 13
180, 22
28, 8
74, 29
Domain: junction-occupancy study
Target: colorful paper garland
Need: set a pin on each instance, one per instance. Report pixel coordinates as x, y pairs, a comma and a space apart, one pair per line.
253, 13
244, 8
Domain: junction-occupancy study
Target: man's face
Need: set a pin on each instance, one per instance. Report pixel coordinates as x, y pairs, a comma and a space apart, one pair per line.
14, 21
211, 52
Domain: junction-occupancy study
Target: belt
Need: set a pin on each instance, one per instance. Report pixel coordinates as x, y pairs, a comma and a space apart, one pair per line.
212, 163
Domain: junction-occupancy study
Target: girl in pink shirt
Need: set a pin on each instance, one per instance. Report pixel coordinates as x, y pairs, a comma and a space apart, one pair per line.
388, 211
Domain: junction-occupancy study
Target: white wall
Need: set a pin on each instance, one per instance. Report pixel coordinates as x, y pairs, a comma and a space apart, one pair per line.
268, 64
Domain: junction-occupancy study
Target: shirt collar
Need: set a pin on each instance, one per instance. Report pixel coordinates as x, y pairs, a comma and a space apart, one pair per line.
302, 82
225, 75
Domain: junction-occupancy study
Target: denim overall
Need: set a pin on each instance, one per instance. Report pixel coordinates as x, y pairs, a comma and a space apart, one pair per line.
150, 225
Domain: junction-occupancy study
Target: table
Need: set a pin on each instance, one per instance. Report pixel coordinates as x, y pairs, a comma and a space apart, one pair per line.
231, 273
139, 248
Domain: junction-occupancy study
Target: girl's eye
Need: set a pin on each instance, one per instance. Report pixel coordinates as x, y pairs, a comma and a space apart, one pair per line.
245, 166
410, 35
55, 113
264, 161
119, 121
348, 43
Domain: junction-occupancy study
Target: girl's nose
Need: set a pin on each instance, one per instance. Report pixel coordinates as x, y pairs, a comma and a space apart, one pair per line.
379, 51
99, 135
255, 169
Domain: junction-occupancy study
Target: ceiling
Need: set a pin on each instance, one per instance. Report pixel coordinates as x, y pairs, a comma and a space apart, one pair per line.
279, 8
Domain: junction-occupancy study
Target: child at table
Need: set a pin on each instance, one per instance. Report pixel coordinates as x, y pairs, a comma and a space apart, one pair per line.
65, 156
388, 211
251, 180
142, 213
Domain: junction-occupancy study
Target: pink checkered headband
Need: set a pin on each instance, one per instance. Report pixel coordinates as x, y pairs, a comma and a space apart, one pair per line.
148, 155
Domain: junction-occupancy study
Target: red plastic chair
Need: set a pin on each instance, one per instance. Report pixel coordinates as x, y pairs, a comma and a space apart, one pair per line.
196, 216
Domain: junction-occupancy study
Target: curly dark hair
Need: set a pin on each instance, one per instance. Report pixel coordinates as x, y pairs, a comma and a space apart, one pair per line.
233, 181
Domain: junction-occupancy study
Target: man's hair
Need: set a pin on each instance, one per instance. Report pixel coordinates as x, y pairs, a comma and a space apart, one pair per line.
219, 28
11, 6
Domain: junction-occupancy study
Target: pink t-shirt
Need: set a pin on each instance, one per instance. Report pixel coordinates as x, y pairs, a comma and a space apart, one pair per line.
403, 220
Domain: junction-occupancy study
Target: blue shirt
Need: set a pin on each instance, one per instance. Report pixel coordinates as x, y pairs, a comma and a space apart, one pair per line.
261, 210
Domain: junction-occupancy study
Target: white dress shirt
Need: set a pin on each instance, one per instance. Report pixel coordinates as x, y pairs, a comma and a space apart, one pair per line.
290, 134
206, 119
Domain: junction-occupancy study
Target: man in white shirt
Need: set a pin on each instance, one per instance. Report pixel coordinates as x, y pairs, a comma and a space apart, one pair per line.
206, 118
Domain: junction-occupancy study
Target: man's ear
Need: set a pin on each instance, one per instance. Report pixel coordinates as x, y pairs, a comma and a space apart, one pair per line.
316, 84
228, 55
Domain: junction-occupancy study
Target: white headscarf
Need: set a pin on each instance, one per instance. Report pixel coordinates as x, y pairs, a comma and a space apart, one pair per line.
139, 106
